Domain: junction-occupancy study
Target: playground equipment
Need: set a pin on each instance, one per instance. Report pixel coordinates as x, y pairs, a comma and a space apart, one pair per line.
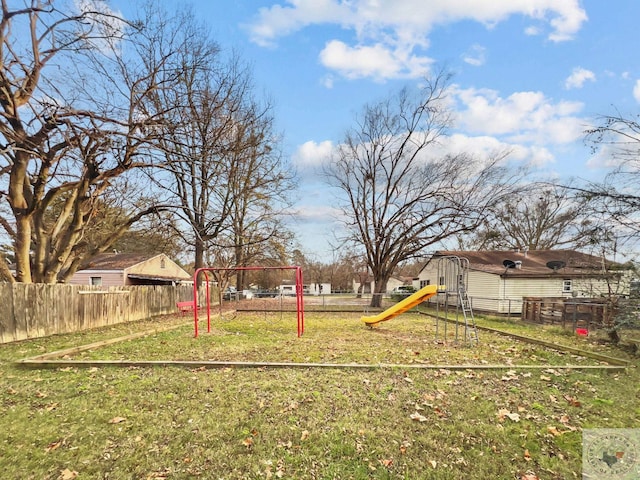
453, 277
453, 272
402, 306
205, 271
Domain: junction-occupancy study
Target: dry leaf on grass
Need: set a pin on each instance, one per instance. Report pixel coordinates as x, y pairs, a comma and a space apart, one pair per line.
504, 413
248, 442
54, 446
417, 417
115, 420
529, 476
67, 474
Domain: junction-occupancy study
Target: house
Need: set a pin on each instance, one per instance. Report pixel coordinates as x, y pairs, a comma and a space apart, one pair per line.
369, 285
114, 269
498, 280
317, 289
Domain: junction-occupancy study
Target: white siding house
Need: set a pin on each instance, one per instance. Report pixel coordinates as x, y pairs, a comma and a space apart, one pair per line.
498, 280
369, 285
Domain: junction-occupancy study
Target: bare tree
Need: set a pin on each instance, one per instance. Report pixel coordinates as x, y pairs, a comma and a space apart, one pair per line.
199, 142
615, 201
399, 200
73, 128
228, 179
259, 184
539, 216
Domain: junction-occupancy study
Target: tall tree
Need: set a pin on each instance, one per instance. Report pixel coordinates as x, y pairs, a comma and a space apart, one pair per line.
73, 127
539, 216
399, 199
259, 184
227, 177
615, 200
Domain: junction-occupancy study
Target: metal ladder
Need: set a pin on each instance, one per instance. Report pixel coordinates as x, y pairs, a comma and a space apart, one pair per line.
470, 330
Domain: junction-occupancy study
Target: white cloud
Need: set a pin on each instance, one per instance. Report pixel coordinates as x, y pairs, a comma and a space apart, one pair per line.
399, 30
578, 77
376, 61
109, 24
636, 91
476, 56
532, 31
522, 117
312, 154
485, 148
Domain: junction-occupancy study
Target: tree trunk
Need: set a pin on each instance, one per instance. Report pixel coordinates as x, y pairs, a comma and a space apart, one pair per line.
199, 257
20, 207
379, 291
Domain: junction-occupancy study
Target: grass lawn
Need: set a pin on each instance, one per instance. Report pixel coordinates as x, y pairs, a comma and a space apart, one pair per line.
304, 422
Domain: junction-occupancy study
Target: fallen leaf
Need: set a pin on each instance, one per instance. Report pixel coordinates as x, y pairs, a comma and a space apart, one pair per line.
527, 455
433, 463
115, 420
554, 431
417, 417
248, 442
304, 435
51, 406
54, 446
513, 417
529, 476
572, 401
387, 462
504, 413
67, 474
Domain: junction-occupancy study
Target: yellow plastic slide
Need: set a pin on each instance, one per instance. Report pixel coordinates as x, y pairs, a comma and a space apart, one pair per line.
402, 306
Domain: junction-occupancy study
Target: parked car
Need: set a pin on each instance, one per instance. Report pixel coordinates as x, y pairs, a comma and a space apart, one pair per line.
265, 293
231, 293
401, 292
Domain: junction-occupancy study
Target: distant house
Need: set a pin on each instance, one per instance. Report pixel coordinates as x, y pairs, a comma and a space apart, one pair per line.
317, 289
498, 280
114, 269
368, 285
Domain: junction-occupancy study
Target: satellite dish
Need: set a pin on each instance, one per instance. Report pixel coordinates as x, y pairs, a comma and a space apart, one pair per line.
509, 264
556, 265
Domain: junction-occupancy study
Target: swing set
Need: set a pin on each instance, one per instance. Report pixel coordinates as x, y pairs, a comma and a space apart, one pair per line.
217, 271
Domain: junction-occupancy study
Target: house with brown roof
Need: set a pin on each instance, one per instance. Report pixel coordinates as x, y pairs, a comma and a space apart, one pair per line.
497, 281
115, 269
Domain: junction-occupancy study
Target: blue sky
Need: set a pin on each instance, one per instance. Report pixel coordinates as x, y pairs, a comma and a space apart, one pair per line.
529, 75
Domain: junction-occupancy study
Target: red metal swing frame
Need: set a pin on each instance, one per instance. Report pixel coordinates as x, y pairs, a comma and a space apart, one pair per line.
204, 270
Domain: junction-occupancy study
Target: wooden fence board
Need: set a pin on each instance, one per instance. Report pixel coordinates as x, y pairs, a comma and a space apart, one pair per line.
37, 310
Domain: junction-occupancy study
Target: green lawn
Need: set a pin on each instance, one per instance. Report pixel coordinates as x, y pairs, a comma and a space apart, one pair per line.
309, 423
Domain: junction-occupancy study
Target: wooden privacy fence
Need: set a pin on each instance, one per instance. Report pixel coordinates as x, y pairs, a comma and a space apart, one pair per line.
565, 312
39, 310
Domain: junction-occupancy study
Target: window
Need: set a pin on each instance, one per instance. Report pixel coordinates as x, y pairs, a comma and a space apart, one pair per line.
163, 263
424, 283
566, 286
96, 280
